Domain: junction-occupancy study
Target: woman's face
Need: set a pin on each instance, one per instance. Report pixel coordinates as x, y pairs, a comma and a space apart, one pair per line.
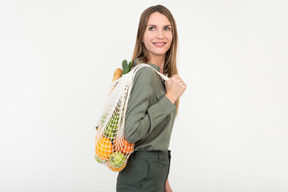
158, 35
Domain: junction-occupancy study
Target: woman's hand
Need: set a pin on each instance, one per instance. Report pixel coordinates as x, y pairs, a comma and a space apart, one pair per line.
175, 87
167, 187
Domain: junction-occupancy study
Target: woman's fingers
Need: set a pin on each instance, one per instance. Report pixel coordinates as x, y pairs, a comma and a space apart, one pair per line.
175, 87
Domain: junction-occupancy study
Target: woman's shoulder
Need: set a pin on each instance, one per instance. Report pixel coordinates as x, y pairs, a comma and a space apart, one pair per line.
145, 70
145, 75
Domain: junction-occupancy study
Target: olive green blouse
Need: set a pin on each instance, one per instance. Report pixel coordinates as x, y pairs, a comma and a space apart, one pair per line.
150, 114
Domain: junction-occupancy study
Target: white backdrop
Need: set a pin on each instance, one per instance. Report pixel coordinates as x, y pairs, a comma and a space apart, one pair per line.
57, 61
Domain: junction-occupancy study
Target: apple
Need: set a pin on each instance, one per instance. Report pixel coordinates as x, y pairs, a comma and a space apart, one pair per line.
109, 133
111, 127
98, 159
117, 159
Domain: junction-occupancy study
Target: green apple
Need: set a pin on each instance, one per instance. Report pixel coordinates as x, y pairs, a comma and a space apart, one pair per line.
111, 127
117, 159
114, 121
109, 133
98, 159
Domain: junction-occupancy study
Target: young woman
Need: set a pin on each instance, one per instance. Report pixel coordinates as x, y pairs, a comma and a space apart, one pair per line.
153, 104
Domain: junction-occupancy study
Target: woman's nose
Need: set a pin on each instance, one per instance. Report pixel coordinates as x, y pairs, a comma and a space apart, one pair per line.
160, 34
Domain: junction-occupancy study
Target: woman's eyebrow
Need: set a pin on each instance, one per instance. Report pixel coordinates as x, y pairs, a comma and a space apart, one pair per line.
156, 25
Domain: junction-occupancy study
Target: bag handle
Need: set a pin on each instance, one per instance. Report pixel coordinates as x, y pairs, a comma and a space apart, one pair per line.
160, 74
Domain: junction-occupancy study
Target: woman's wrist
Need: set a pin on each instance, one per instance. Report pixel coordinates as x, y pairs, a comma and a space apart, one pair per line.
170, 98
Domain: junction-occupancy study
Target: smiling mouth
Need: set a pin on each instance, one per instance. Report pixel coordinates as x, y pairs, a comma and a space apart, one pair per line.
159, 43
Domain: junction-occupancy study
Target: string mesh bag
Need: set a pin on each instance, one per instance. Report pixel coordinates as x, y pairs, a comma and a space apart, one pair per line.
111, 147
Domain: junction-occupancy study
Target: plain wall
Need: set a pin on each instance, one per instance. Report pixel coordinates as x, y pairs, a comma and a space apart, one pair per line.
57, 61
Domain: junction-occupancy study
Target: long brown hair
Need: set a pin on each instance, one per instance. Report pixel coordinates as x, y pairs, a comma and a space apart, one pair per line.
140, 52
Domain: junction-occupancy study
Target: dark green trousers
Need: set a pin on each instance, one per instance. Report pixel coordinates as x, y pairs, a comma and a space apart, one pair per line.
145, 171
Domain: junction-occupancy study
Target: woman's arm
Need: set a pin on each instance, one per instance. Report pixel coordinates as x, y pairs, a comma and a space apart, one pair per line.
141, 117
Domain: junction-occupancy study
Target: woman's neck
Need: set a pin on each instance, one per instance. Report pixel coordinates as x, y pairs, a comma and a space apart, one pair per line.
157, 60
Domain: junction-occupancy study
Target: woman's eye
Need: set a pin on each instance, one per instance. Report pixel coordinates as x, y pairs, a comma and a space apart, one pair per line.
151, 28
167, 28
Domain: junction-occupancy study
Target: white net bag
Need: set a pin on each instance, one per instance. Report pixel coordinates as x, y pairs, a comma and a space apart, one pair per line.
111, 147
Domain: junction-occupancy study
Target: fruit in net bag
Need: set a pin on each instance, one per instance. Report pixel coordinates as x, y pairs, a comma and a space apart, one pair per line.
104, 148
111, 127
117, 169
122, 145
117, 159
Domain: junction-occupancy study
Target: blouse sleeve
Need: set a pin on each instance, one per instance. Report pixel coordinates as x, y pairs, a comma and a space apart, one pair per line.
141, 118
